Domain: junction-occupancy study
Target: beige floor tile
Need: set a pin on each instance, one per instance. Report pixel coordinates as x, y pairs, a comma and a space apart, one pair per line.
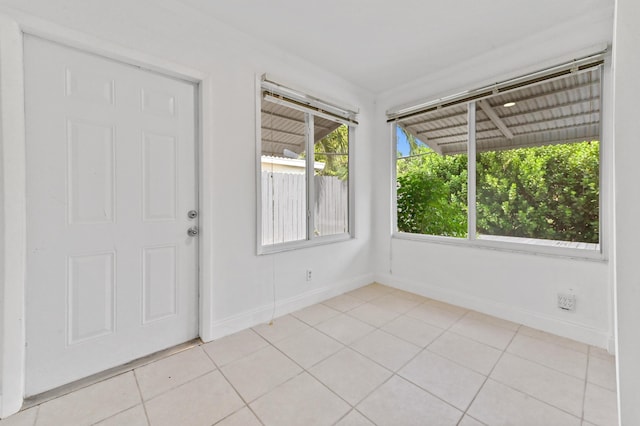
373, 315
498, 322
368, 293
386, 349
602, 372
399, 402
435, 315
381, 287
585, 423
91, 404
469, 421
413, 330
469, 353
552, 338
258, 373
600, 406
167, 373
315, 314
132, 417
235, 346
447, 306
350, 375
484, 332
455, 384
497, 404
309, 347
243, 417
354, 418
23, 418
395, 303
343, 303
281, 328
345, 329
554, 356
410, 296
300, 401
201, 402
548, 385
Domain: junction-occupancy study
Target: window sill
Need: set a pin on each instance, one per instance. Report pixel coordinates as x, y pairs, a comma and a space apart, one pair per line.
581, 251
296, 245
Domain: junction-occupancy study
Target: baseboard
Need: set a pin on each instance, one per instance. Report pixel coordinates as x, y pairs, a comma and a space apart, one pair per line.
9, 406
263, 314
578, 332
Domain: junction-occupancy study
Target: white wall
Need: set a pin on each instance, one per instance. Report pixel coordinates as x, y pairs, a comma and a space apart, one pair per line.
512, 285
12, 218
516, 286
241, 282
627, 232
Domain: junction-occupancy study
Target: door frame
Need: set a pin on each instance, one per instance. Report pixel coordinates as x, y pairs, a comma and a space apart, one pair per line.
13, 27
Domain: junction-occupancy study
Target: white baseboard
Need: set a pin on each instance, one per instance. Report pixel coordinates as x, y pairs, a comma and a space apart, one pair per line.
574, 331
262, 314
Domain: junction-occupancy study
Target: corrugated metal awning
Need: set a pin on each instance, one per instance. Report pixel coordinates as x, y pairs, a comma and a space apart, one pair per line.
284, 128
562, 110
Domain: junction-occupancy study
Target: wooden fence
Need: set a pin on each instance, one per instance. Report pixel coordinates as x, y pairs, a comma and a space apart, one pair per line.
284, 215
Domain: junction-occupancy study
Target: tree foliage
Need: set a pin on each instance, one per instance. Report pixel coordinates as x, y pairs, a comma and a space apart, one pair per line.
333, 151
547, 192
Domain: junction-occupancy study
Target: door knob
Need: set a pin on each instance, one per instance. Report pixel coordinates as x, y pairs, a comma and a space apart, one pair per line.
192, 214
193, 231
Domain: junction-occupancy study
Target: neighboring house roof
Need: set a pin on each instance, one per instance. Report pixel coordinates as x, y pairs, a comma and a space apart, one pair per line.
558, 111
283, 128
290, 162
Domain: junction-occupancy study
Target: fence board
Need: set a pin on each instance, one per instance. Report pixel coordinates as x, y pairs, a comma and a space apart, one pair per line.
284, 215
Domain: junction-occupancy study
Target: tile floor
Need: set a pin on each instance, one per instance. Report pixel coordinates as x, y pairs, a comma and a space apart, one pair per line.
374, 356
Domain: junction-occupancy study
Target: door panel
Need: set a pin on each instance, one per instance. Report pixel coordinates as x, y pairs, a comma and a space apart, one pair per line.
111, 176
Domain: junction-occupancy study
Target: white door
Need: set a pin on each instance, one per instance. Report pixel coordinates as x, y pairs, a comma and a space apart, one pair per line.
111, 177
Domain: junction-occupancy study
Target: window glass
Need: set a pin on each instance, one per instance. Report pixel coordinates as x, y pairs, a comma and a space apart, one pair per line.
331, 178
305, 190
283, 174
431, 173
537, 162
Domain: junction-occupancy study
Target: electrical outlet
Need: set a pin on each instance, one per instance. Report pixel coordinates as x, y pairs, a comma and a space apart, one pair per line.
567, 302
309, 275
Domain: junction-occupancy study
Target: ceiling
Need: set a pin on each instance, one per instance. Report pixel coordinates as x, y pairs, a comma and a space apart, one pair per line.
375, 44
381, 44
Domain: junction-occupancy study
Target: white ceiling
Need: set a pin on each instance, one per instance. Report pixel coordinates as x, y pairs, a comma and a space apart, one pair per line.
380, 44
375, 44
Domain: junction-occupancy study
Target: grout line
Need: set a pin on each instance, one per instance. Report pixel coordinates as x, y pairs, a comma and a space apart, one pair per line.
547, 366
566, 347
36, 418
490, 372
536, 399
177, 385
246, 404
304, 370
394, 373
106, 374
422, 349
144, 406
586, 381
519, 390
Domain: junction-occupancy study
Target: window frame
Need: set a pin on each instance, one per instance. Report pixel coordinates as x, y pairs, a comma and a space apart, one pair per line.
512, 244
333, 113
